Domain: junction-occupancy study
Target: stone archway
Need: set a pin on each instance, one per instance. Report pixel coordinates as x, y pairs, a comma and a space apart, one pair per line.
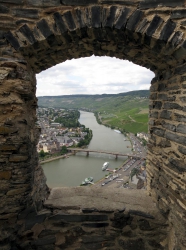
150, 34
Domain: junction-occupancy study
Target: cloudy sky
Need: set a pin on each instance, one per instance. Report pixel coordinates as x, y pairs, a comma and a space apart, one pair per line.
93, 75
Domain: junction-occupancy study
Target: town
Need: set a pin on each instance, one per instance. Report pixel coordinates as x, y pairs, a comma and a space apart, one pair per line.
60, 129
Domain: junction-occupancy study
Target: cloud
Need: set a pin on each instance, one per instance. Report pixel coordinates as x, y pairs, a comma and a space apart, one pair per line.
93, 75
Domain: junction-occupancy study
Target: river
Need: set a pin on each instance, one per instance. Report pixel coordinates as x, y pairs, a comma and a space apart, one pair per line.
73, 170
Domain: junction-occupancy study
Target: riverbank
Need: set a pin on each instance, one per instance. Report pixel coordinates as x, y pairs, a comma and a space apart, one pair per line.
71, 171
55, 158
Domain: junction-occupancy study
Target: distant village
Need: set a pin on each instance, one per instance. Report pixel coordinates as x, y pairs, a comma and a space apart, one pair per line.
54, 132
61, 128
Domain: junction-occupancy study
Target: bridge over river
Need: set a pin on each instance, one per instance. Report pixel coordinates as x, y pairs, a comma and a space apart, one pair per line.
87, 151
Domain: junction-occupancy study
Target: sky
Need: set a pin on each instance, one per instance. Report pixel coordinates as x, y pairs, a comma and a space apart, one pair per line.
93, 75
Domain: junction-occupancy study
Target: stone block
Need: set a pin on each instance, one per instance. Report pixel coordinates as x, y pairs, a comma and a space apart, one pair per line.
12, 40
3, 73
18, 158
177, 165
6, 175
120, 2
154, 24
153, 96
23, 21
33, 220
163, 97
162, 87
109, 21
171, 98
181, 128
69, 20
3, 9
153, 114
94, 238
151, 122
60, 239
141, 214
26, 13
164, 143
141, 28
3, 160
157, 105
89, 210
180, 52
169, 126
79, 2
79, 18
155, 244
48, 232
134, 20
147, 4
7, 130
13, 1
172, 105
179, 117
98, 245
167, 30
8, 216
59, 22
132, 244
158, 131
144, 225
165, 114
122, 20
44, 28
182, 150
45, 241
120, 220
177, 14
16, 191
96, 16
181, 69
79, 218
25, 30
95, 225
183, 99
177, 38
44, 3
183, 79
175, 137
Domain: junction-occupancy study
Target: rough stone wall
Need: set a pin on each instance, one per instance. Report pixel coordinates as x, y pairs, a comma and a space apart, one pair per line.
80, 218
35, 35
167, 147
21, 178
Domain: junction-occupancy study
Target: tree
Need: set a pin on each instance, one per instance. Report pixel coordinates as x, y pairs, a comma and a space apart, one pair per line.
42, 153
64, 150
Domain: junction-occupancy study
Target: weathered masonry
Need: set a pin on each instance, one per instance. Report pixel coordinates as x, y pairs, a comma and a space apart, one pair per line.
37, 34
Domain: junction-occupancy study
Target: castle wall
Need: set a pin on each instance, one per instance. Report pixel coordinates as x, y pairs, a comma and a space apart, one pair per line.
35, 35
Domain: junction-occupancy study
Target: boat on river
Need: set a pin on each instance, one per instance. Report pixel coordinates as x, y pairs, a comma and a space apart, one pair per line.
117, 131
88, 180
105, 165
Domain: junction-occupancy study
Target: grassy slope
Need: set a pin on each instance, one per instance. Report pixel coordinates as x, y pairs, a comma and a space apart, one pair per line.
124, 110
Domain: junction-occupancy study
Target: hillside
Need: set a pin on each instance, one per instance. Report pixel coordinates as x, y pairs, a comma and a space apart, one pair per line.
127, 111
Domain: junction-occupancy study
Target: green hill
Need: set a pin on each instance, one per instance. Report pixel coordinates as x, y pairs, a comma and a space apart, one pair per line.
126, 111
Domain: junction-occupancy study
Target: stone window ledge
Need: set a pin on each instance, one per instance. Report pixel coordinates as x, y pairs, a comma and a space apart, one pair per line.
99, 199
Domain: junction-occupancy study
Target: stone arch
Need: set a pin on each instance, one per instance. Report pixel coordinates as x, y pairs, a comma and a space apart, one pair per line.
150, 36
130, 33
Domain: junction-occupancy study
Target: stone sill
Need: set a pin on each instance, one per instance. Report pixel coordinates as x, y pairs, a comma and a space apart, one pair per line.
78, 199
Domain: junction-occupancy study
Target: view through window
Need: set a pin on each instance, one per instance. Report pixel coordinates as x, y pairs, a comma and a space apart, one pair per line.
76, 98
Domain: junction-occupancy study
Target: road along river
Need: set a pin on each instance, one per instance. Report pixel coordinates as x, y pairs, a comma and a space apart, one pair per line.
73, 170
